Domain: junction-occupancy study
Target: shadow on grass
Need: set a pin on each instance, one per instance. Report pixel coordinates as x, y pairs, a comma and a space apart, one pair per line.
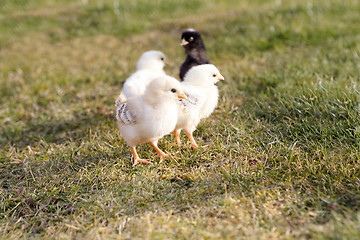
54, 130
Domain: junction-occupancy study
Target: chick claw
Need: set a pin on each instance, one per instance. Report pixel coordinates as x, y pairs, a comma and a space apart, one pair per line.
162, 156
144, 161
137, 159
194, 146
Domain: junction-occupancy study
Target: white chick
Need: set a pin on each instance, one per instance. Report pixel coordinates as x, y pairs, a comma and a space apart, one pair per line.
149, 66
149, 117
202, 98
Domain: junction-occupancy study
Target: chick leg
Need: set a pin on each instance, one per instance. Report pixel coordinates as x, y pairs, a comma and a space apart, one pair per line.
190, 136
160, 153
177, 136
136, 157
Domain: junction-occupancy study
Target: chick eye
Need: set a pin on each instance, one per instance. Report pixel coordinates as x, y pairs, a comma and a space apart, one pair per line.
214, 75
173, 90
162, 59
191, 38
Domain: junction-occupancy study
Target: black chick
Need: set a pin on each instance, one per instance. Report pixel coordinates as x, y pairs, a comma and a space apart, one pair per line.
195, 49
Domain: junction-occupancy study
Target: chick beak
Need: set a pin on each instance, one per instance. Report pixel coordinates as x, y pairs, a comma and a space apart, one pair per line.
182, 95
221, 78
166, 63
184, 42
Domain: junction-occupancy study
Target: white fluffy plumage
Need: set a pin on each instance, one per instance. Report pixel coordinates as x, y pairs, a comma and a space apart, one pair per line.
148, 117
202, 98
149, 66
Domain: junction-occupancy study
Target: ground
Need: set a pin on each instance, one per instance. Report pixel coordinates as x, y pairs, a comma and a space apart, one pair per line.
278, 159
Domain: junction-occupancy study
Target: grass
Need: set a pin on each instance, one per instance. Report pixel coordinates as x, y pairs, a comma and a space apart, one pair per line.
278, 159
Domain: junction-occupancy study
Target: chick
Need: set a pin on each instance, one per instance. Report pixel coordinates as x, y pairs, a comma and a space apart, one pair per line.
148, 117
195, 51
149, 66
202, 98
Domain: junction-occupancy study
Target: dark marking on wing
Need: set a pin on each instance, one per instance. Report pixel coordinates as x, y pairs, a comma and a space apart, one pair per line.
189, 101
123, 114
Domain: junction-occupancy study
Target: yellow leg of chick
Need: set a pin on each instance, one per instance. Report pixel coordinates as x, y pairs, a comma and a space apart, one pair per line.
190, 136
177, 136
137, 159
160, 153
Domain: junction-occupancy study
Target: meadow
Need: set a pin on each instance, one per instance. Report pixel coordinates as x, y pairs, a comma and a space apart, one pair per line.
278, 159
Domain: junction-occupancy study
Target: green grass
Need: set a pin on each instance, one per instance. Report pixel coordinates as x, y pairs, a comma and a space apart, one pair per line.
278, 159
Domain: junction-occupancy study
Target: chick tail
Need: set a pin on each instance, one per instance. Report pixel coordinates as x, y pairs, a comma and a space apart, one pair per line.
120, 100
